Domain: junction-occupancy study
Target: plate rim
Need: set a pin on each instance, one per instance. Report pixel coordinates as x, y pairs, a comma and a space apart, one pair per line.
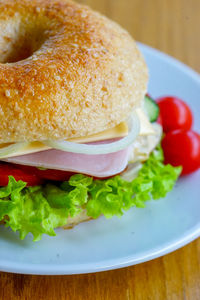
54, 269
110, 264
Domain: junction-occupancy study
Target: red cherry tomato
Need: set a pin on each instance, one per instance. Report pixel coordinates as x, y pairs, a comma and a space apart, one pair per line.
19, 174
175, 114
182, 147
159, 120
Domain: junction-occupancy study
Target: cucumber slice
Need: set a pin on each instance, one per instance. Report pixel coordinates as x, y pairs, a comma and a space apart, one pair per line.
151, 108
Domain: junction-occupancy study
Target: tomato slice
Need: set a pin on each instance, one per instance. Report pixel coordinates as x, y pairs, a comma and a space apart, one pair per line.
55, 175
48, 174
32, 175
175, 114
182, 147
19, 174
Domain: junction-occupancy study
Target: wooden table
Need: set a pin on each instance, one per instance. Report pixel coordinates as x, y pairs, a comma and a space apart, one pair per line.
173, 27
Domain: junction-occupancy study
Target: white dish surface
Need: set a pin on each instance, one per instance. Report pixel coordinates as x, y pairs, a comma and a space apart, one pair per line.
141, 234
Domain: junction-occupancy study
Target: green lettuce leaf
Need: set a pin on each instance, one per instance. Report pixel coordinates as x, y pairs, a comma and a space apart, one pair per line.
41, 209
27, 210
113, 196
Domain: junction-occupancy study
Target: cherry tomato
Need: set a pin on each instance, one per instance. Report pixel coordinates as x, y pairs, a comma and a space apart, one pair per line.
159, 120
19, 174
175, 114
182, 147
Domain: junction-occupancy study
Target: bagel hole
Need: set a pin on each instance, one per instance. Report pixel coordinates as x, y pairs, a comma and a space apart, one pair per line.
20, 42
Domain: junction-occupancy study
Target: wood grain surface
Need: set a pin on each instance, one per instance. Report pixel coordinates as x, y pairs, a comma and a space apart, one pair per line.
172, 26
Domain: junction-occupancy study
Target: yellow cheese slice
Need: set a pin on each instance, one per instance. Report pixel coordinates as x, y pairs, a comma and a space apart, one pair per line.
118, 131
145, 126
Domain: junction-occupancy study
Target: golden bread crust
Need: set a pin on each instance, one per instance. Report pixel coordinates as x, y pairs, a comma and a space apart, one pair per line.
80, 218
84, 73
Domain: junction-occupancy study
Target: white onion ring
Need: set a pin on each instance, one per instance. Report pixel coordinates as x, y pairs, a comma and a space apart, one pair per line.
134, 129
8, 150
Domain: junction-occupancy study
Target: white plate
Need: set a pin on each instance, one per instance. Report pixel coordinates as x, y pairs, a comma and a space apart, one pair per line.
142, 234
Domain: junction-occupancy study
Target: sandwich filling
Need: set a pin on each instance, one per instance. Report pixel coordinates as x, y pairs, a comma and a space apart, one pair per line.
100, 165
89, 185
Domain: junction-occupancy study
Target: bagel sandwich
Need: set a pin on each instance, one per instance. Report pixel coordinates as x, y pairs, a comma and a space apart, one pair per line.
78, 134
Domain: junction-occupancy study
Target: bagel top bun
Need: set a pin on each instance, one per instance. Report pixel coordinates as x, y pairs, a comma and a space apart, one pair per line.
65, 71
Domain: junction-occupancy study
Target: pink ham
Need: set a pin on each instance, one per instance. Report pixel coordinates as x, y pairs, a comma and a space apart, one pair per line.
102, 165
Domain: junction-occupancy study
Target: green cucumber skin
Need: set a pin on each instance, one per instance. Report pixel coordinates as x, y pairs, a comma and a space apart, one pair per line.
152, 108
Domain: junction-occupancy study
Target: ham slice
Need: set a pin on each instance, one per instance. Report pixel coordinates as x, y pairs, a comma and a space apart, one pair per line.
102, 165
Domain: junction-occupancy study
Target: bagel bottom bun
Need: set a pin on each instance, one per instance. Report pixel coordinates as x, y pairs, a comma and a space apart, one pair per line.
82, 217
